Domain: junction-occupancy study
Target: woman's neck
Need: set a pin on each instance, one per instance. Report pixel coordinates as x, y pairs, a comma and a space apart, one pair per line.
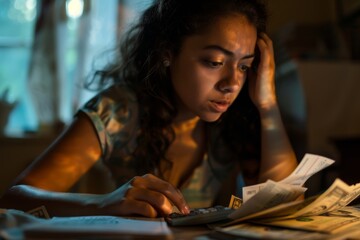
186, 124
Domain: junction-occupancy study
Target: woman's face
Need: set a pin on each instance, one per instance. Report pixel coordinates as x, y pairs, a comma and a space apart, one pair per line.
211, 68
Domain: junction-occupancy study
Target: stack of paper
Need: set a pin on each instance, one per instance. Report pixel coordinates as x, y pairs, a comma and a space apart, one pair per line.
274, 204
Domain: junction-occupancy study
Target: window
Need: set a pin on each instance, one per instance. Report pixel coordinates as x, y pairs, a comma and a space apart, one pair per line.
84, 29
17, 21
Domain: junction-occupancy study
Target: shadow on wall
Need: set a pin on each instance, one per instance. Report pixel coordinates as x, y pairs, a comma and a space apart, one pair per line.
317, 88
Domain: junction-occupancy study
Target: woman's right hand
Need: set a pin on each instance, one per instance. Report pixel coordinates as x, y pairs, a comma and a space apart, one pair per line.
145, 195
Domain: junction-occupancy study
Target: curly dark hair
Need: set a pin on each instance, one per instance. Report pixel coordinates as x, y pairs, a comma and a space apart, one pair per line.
162, 28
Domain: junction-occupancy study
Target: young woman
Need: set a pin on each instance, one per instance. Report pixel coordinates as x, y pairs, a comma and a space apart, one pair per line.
189, 106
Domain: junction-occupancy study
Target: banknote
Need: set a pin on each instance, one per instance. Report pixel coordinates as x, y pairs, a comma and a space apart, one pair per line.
235, 202
337, 196
40, 212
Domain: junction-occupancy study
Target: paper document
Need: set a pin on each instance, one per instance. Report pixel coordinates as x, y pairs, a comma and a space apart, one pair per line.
327, 213
89, 226
272, 194
277, 200
309, 165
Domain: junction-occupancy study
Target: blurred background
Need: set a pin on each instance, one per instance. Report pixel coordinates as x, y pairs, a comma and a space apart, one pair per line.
49, 47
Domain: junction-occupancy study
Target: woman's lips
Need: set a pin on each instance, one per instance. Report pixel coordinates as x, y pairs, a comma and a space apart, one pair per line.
219, 106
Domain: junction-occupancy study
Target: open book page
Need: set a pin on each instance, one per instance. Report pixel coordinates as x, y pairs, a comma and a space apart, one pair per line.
101, 226
309, 165
84, 226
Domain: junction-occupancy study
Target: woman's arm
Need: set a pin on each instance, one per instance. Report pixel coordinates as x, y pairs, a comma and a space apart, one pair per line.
56, 169
277, 156
72, 154
67, 159
146, 195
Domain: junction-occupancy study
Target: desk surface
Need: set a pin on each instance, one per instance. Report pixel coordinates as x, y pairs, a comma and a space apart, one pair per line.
16, 223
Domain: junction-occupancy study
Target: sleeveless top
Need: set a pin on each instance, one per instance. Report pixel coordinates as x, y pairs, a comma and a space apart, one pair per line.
114, 114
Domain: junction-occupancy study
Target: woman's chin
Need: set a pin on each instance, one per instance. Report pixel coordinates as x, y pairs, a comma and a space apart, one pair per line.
212, 117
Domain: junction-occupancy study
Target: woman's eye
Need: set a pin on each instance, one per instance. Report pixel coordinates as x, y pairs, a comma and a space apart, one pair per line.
244, 68
214, 64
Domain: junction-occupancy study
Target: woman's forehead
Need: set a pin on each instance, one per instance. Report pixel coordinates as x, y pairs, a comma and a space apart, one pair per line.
231, 33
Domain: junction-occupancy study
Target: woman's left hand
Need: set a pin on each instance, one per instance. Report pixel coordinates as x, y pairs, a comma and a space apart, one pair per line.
262, 82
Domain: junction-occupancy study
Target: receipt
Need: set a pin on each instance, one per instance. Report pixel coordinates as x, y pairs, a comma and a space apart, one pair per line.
309, 165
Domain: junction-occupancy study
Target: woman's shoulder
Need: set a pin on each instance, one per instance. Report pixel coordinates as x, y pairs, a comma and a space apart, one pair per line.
114, 114
113, 109
118, 94
117, 99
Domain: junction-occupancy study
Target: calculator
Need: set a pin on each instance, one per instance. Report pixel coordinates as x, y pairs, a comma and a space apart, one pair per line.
200, 216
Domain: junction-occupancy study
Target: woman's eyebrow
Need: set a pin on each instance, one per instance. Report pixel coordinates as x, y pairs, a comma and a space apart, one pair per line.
226, 51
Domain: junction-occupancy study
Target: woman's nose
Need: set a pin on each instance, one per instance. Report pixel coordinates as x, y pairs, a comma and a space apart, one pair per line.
231, 81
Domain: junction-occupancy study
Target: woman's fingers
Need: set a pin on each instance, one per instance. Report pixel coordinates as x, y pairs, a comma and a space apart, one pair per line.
266, 49
263, 37
157, 192
131, 207
147, 195
156, 199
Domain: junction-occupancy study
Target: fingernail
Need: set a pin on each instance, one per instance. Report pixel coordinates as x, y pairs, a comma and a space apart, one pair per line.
186, 210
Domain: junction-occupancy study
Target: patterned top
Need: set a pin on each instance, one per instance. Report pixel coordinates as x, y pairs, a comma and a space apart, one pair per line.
114, 114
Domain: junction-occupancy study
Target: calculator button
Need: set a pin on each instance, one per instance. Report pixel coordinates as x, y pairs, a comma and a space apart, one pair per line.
200, 216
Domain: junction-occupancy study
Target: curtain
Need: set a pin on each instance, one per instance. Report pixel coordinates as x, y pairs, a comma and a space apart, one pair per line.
70, 43
72, 39
67, 39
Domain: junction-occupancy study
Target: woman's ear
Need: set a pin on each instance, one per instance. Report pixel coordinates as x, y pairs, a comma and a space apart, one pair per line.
166, 59
166, 62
